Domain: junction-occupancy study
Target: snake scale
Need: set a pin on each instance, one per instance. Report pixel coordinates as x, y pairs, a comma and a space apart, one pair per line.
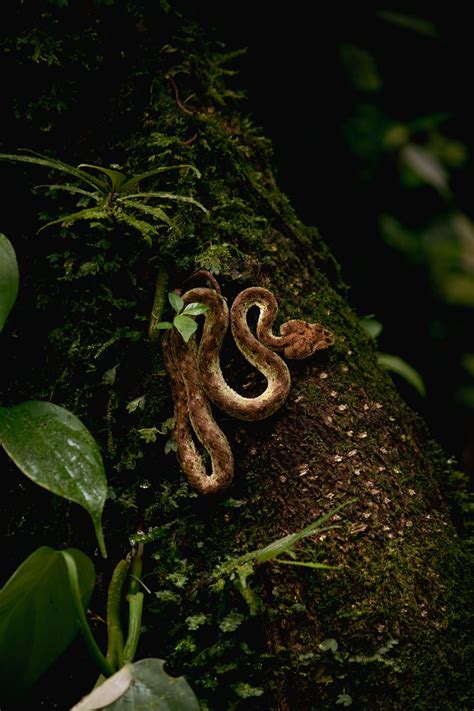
197, 380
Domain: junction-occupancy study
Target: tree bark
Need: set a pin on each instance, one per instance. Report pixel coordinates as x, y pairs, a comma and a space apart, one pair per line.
395, 603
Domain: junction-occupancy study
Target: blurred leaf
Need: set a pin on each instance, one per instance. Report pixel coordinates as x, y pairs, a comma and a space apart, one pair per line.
426, 166
37, 616
328, 645
143, 686
54, 449
410, 22
344, 700
110, 376
371, 326
9, 278
402, 368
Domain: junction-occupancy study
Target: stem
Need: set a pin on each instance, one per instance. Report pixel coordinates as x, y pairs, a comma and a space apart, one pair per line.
92, 647
158, 302
135, 609
114, 625
135, 606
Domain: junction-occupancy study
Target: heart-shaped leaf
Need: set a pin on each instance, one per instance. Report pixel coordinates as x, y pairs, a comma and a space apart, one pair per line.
143, 686
54, 449
185, 326
9, 278
37, 616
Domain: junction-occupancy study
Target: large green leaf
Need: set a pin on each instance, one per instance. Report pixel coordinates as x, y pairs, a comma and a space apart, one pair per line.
37, 616
9, 278
54, 449
143, 686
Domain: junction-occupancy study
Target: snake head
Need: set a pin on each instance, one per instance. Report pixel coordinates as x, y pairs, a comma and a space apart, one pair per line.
302, 339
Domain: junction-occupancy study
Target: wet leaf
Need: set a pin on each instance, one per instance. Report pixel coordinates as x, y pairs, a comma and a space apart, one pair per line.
9, 278
54, 449
37, 616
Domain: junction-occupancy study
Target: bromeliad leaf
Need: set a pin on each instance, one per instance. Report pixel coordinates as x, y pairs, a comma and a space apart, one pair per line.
37, 616
195, 309
54, 449
176, 301
185, 326
9, 278
140, 686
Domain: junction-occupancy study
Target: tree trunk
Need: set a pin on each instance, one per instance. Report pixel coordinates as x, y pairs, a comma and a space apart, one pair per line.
385, 628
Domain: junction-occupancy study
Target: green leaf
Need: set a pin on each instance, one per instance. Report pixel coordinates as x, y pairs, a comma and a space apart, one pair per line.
176, 301
185, 326
164, 325
91, 213
344, 699
328, 645
132, 183
143, 686
195, 309
145, 228
53, 164
54, 449
116, 178
285, 544
168, 196
37, 616
156, 212
402, 368
70, 189
371, 326
9, 278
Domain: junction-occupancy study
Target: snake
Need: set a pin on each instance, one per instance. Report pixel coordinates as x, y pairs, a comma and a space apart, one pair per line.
197, 380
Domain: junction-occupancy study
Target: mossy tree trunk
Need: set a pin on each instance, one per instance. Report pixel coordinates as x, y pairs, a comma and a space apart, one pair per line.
395, 604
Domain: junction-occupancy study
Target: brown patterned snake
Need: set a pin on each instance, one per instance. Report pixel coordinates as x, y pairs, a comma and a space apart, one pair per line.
196, 376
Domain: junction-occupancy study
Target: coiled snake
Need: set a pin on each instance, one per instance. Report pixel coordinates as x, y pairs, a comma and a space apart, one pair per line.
196, 376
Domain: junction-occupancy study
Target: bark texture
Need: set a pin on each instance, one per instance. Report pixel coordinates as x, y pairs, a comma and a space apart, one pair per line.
385, 629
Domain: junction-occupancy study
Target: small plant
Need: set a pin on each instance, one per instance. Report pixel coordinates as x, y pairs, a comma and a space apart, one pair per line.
112, 196
49, 592
182, 322
281, 551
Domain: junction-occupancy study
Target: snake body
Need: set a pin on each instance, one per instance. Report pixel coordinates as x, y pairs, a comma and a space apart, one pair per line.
196, 376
